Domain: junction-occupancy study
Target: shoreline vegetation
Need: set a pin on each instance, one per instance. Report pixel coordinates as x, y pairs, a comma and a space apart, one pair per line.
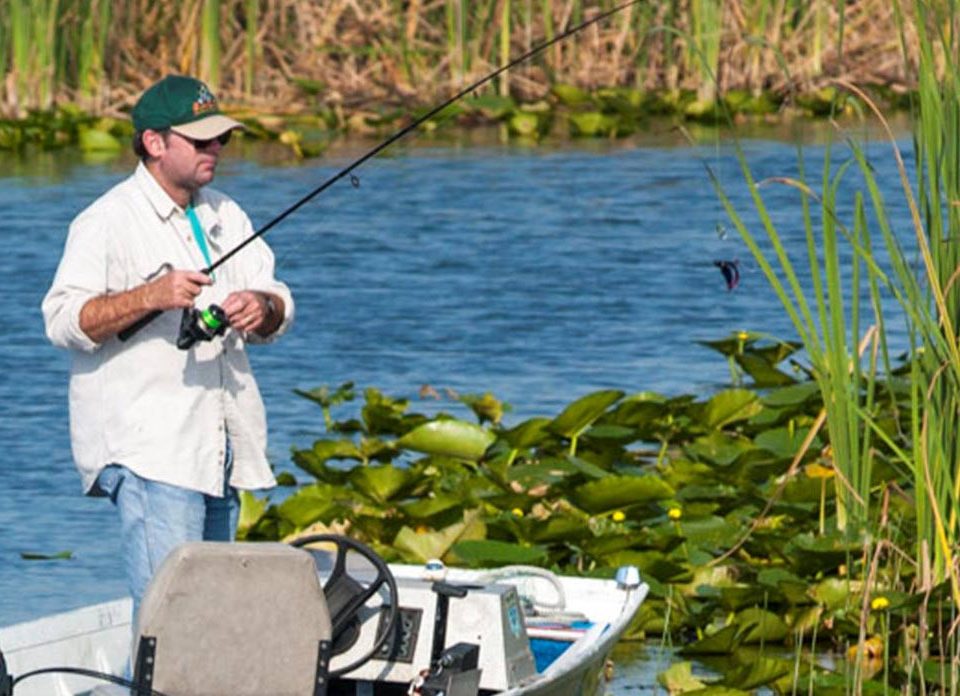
303, 73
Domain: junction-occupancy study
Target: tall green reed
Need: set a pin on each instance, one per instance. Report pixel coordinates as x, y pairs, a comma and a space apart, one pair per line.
210, 43
252, 48
706, 26
33, 42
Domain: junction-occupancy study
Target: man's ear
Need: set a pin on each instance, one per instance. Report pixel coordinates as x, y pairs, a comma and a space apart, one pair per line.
154, 142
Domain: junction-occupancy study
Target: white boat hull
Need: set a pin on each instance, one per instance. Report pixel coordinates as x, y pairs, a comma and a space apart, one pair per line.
99, 638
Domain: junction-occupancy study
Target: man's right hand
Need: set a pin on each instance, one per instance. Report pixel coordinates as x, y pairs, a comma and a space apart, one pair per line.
106, 315
176, 289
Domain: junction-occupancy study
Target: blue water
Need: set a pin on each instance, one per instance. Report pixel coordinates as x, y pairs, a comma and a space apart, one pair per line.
537, 273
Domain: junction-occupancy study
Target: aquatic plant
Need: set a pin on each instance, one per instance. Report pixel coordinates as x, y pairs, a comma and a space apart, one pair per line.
690, 490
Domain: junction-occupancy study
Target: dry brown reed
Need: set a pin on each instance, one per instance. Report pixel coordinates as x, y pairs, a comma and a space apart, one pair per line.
362, 53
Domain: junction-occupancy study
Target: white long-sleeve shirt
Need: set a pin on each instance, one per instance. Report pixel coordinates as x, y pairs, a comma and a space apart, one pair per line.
144, 403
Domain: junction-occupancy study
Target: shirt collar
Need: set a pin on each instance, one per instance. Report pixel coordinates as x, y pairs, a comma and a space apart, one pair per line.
159, 199
165, 206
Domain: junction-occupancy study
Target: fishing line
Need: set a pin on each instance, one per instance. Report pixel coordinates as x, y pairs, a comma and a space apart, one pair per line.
348, 170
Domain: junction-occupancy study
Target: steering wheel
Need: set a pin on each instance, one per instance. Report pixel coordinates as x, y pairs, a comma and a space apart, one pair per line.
346, 596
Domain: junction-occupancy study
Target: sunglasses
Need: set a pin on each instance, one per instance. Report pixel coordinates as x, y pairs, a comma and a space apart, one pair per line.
223, 139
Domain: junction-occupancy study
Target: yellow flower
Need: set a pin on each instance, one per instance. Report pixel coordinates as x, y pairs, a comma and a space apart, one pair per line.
879, 603
618, 516
742, 336
517, 512
675, 513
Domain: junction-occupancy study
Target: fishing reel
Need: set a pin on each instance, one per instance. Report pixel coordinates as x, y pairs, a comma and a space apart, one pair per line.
201, 325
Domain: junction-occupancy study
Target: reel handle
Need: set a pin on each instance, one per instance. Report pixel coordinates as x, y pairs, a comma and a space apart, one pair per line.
140, 323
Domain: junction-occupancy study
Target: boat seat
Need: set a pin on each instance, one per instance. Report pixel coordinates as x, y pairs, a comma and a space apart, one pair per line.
224, 619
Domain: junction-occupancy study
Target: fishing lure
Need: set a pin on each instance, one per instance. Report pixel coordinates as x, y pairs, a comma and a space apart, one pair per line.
134, 328
730, 271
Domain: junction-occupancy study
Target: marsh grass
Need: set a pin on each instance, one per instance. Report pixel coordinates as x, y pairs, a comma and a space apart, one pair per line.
912, 273
269, 53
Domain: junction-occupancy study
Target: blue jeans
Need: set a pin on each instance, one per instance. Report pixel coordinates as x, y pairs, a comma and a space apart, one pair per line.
156, 517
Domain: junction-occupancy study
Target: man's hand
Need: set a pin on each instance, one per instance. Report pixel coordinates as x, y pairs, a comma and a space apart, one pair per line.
252, 311
104, 316
176, 289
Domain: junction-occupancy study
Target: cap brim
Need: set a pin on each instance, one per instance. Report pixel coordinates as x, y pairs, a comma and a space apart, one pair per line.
206, 128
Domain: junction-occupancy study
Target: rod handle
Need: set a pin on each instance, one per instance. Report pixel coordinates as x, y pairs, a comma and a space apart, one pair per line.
143, 321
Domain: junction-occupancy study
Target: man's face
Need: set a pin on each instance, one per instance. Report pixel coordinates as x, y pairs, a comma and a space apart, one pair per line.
181, 163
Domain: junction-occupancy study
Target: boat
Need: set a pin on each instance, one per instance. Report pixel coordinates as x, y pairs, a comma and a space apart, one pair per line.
326, 616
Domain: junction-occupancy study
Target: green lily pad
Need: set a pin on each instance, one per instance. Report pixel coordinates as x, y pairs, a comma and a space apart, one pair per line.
832, 593
493, 106
757, 625
98, 141
489, 552
325, 450
251, 510
762, 372
654, 564
729, 407
561, 528
794, 395
381, 483
718, 448
758, 671
581, 414
784, 442
569, 95
811, 554
419, 546
709, 533
525, 124
529, 433
307, 505
723, 642
617, 492
678, 678
449, 437
430, 506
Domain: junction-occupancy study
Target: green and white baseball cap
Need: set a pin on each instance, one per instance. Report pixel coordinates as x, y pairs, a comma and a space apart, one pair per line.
184, 105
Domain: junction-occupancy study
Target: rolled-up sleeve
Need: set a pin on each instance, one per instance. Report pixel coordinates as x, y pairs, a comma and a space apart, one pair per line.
80, 277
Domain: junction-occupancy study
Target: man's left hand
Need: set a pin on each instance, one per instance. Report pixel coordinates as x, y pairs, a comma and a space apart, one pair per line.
248, 311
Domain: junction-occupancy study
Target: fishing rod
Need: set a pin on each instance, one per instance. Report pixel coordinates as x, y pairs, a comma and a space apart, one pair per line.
203, 325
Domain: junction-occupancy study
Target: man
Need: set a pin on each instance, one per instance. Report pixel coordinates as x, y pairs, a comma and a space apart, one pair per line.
168, 434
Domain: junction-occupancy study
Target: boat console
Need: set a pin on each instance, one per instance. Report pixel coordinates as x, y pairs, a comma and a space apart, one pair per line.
488, 616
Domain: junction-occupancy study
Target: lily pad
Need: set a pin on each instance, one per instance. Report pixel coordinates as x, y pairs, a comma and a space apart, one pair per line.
529, 433
569, 95
758, 671
730, 406
616, 492
579, 415
678, 678
98, 141
381, 483
449, 437
758, 625
723, 642
307, 505
251, 510
430, 506
421, 545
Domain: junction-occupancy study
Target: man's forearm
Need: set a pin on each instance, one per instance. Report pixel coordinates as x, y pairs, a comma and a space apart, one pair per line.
103, 317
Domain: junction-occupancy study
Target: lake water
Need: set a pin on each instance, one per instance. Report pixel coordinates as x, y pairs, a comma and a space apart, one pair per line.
537, 273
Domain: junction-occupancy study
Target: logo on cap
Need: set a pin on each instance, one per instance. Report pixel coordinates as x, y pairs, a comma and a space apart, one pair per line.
205, 101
